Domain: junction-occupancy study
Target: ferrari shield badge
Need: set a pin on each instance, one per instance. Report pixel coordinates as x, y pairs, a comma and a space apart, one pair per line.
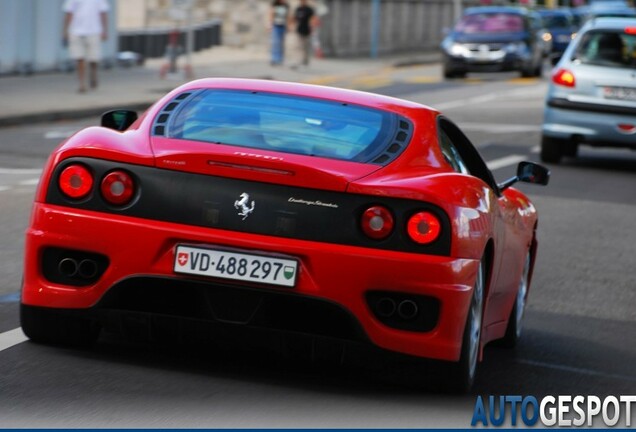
244, 206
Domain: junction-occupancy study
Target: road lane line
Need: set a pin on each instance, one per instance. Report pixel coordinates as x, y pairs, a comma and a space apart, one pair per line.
12, 338
58, 134
499, 128
505, 161
29, 182
20, 171
581, 371
10, 298
4, 188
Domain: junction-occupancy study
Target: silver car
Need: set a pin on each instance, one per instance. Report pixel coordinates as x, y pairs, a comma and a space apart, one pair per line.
592, 96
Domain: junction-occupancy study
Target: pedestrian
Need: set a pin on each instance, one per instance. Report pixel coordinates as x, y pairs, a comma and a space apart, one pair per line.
304, 18
279, 18
85, 27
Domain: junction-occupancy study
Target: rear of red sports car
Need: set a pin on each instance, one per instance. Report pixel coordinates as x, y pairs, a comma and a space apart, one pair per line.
269, 207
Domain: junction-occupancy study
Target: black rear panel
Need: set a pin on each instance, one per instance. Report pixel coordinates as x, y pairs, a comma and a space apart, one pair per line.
253, 207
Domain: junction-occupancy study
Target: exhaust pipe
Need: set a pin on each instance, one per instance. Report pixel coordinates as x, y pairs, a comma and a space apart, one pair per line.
87, 269
407, 309
67, 267
385, 307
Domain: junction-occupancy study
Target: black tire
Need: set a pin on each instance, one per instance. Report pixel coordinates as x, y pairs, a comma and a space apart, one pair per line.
570, 149
451, 73
513, 330
48, 326
552, 149
461, 375
527, 71
538, 72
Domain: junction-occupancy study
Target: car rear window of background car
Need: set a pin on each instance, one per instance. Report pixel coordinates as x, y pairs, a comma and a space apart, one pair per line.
607, 48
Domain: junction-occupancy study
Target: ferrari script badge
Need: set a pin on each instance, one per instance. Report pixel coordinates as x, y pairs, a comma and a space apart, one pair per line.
243, 204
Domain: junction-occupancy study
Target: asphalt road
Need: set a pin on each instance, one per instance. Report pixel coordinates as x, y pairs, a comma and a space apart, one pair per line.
579, 336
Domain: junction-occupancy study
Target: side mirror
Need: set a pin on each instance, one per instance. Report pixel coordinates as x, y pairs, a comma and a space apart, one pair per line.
528, 172
119, 120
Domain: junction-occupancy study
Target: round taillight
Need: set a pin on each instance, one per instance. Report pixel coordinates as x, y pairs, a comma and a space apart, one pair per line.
118, 188
424, 227
564, 77
377, 222
76, 181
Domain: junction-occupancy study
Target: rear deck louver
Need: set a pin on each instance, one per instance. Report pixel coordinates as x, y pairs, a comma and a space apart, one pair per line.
398, 143
161, 122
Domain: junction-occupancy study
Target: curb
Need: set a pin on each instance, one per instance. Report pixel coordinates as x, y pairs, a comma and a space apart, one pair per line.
52, 116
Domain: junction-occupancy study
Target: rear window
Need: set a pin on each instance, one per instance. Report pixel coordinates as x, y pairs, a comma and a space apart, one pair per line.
556, 21
607, 48
490, 23
285, 123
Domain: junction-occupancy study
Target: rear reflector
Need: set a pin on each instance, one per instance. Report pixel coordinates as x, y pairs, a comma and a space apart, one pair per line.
627, 128
76, 181
630, 30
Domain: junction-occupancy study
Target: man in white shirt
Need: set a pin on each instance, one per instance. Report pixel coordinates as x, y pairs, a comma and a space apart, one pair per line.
85, 27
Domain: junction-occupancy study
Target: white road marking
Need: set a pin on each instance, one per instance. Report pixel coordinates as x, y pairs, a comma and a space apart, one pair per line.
20, 171
58, 134
500, 128
4, 188
515, 93
505, 161
577, 370
12, 338
30, 182
535, 150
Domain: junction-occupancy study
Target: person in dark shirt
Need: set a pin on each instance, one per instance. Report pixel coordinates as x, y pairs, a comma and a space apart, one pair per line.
304, 18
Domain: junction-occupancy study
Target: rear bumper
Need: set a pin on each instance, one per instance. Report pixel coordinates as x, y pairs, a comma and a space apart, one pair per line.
589, 123
509, 62
139, 273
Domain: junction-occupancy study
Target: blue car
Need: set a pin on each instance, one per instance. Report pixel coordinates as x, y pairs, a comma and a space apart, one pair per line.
494, 39
561, 27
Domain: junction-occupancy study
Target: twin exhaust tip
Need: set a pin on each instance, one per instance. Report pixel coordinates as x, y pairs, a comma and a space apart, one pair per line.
72, 268
406, 309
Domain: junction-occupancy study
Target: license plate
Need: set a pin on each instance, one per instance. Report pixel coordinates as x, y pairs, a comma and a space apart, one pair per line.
563, 38
620, 93
235, 266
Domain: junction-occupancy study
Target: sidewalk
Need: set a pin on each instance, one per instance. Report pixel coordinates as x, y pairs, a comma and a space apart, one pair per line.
54, 96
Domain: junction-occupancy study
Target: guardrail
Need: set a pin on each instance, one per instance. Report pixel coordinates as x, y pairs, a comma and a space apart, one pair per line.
152, 43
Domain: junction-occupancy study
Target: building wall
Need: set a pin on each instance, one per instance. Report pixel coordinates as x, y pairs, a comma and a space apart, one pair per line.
31, 36
400, 25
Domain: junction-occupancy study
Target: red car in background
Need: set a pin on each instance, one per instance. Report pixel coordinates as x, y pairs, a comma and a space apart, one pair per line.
284, 209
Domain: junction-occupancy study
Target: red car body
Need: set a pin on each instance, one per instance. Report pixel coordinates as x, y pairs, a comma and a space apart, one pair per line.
134, 250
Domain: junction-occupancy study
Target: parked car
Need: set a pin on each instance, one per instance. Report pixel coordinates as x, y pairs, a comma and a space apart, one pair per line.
271, 211
561, 28
610, 9
495, 39
592, 97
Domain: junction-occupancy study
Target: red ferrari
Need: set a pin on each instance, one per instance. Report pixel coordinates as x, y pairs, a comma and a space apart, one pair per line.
267, 208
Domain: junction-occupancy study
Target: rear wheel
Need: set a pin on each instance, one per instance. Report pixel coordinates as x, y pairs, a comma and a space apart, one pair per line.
450, 73
538, 72
461, 375
48, 326
515, 322
552, 149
